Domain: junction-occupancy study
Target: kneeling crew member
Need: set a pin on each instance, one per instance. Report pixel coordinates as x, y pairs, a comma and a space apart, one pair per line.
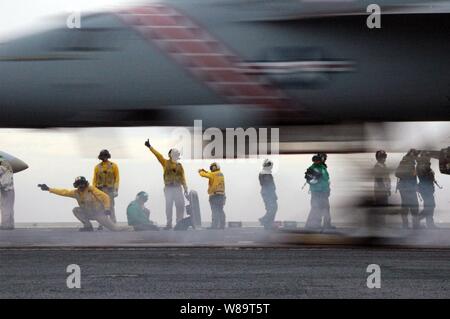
93, 204
138, 215
216, 191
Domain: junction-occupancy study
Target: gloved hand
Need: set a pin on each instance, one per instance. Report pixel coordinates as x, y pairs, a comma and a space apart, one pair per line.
201, 170
44, 187
107, 212
116, 193
147, 143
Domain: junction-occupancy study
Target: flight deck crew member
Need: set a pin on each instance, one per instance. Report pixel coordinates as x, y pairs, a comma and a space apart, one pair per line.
7, 195
106, 178
174, 181
407, 185
138, 215
381, 192
93, 204
382, 180
216, 191
426, 189
319, 185
269, 194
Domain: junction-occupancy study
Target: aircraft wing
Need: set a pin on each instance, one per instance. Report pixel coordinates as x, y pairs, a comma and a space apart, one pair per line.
17, 164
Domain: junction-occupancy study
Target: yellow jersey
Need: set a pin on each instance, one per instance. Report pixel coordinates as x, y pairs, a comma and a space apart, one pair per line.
216, 182
91, 198
106, 174
173, 171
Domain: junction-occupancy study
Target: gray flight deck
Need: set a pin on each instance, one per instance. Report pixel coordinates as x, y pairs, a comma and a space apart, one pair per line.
244, 262
67, 235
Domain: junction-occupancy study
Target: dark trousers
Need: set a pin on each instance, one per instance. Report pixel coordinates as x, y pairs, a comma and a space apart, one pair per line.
320, 210
271, 205
377, 213
410, 205
429, 204
217, 203
381, 199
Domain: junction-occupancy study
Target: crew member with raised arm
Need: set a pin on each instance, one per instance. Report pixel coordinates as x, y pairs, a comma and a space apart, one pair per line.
174, 183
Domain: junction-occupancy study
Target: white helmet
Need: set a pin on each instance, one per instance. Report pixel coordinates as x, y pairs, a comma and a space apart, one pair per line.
214, 167
174, 154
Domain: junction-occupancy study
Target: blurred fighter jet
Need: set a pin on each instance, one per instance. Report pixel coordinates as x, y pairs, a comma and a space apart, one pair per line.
232, 62
16, 164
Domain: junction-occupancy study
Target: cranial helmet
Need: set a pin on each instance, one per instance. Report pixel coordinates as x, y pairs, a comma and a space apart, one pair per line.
323, 156
268, 164
104, 154
174, 154
381, 154
80, 181
316, 158
142, 195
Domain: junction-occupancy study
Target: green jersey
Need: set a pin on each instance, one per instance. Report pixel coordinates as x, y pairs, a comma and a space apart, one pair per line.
137, 215
323, 183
